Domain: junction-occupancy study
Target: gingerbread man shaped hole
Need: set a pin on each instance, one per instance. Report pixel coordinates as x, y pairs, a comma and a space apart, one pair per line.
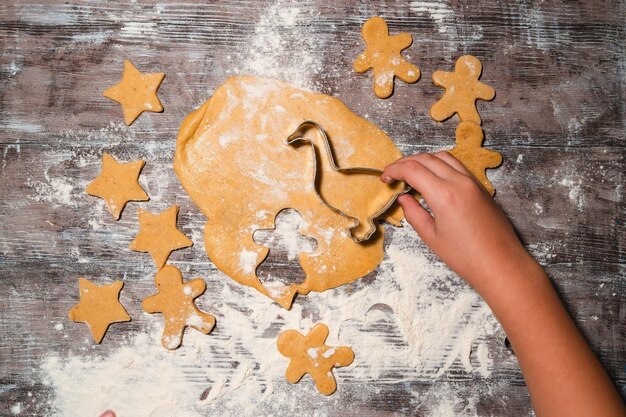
286, 242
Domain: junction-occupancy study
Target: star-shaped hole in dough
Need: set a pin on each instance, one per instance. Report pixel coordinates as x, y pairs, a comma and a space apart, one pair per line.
158, 235
117, 184
175, 300
382, 54
310, 355
99, 307
462, 89
469, 151
137, 92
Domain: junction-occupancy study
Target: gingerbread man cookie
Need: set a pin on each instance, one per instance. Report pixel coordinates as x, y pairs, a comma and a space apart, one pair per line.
309, 354
136, 92
462, 89
99, 307
469, 151
175, 300
158, 235
117, 184
382, 55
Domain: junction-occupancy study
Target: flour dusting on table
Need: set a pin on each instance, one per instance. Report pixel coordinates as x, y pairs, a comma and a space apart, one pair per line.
435, 322
282, 47
411, 321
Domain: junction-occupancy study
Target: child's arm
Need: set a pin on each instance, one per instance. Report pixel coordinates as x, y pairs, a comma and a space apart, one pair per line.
470, 233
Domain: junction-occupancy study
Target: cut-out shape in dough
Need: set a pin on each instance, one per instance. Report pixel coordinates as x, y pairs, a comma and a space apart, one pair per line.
99, 307
158, 235
285, 243
117, 184
382, 55
232, 159
372, 200
310, 355
175, 300
137, 92
462, 89
469, 151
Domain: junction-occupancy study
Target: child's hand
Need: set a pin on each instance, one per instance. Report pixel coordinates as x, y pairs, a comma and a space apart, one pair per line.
470, 233
467, 230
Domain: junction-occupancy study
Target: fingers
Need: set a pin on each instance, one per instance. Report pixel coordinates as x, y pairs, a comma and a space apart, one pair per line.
418, 176
418, 217
452, 161
440, 167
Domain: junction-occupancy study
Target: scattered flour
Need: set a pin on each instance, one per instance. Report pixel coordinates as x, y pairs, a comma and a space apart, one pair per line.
54, 190
247, 261
328, 353
543, 252
14, 69
16, 409
438, 321
96, 38
575, 194
135, 28
439, 11
312, 352
282, 46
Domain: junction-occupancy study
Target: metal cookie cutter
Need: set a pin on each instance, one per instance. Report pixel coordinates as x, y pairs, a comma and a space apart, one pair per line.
364, 225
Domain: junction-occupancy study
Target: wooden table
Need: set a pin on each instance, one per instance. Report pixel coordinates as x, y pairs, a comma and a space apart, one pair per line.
558, 67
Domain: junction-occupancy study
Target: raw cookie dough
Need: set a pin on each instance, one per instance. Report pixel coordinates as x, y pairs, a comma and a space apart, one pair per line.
309, 355
158, 235
136, 92
118, 184
376, 196
233, 160
462, 89
99, 307
469, 151
382, 55
175, 300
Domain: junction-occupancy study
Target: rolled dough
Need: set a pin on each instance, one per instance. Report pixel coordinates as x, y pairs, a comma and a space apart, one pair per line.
233, 160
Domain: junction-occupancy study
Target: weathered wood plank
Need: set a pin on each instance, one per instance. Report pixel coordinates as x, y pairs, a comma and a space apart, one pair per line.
558, 119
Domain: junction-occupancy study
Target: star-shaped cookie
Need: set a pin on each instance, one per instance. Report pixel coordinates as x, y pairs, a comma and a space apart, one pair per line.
382, 54
99, 307
118, 184
310, 355
136, 92
462, 89
175, 300
158, 235
469, 151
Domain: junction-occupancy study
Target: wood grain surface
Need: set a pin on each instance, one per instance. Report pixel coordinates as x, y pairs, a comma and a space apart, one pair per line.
558, 68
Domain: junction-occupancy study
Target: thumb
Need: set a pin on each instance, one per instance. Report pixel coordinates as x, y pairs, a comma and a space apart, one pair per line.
417, 216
